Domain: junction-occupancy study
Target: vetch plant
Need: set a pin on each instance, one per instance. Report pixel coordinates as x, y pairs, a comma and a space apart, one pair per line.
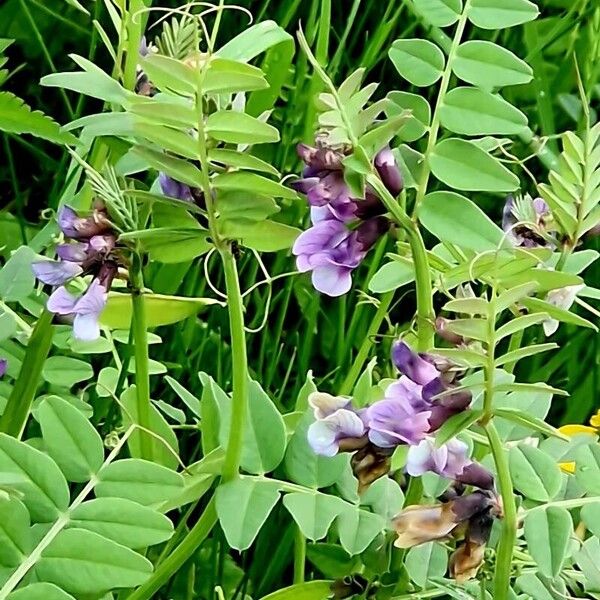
295, 322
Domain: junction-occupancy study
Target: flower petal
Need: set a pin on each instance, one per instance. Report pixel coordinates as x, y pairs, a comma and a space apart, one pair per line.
55, 272
332, 280
61, 302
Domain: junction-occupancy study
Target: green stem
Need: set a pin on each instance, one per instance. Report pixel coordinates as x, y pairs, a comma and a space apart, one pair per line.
179, 556
508, 534
134, 35
140, 341
425, 312
435, 120
365, 348
299, 556
19, 402
489, 367
239, 361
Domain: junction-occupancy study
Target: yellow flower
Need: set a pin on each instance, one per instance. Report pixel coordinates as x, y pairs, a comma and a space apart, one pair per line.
571, 430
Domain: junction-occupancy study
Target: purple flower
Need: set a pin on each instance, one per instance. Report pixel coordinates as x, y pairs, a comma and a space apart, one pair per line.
54, 272
338, 427
174, 189
3, 366
332, 251
413, 365
387, 168
83, 228
525, 221
86, 309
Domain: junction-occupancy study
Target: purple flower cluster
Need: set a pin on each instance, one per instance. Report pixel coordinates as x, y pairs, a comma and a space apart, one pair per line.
343, 228
88, 251
413, 408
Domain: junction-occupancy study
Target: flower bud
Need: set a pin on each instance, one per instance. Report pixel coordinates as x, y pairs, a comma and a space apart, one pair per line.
387, 168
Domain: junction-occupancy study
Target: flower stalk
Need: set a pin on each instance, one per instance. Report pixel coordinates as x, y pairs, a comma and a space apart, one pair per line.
140, 340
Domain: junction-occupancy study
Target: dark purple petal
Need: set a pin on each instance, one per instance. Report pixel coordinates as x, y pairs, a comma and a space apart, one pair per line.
388, 170
3, 366
174, 189
67, 218
476, 475
83, 228
370, 231
54, 272
409, 363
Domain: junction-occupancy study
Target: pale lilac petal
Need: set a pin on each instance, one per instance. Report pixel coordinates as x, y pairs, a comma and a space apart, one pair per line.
61, 302
93, 301
54, 272
76, 252
322, 438
67, 221
86, 327
332, 280
324, 404
418, 459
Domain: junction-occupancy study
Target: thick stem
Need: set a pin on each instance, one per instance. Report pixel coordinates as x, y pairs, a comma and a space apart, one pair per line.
365, 348
508, 534
140, 348
235, 307
179, 556
299, 556
19, 402
425, 312
134, 35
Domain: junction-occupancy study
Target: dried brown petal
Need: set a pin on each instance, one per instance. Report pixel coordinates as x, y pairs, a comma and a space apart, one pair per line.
420, 524
369, 464
466, 561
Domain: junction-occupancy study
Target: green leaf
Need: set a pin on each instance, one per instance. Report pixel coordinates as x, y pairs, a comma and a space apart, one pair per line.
590, 514
547, 533
425, 562
491, 14
160, 309
138, 480
307, 468
476, 329
311, 590
456, 219
212, 404
358, 528
83, 562
439, 13
533, 586
392, 275
168, 138
40, 591
164, 446
186, 396
177, 168
243, 207
172, 244
165, 112
419, 61
17, 117
587, 470
471, 111
419, 120
519, 324
560, 314
462, 165
313, 512
470, 306
92, 81
253, 41
167, 73
384, 497
264, 236
240, 160
251, 182
16, 277
516, 355
36, 476
123, 521
243, 506
64, 371
226, 76
236, 127
70, 439
489, 66
511, 296
587, 560
455, 424
531, 422
15, 535
534, 473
